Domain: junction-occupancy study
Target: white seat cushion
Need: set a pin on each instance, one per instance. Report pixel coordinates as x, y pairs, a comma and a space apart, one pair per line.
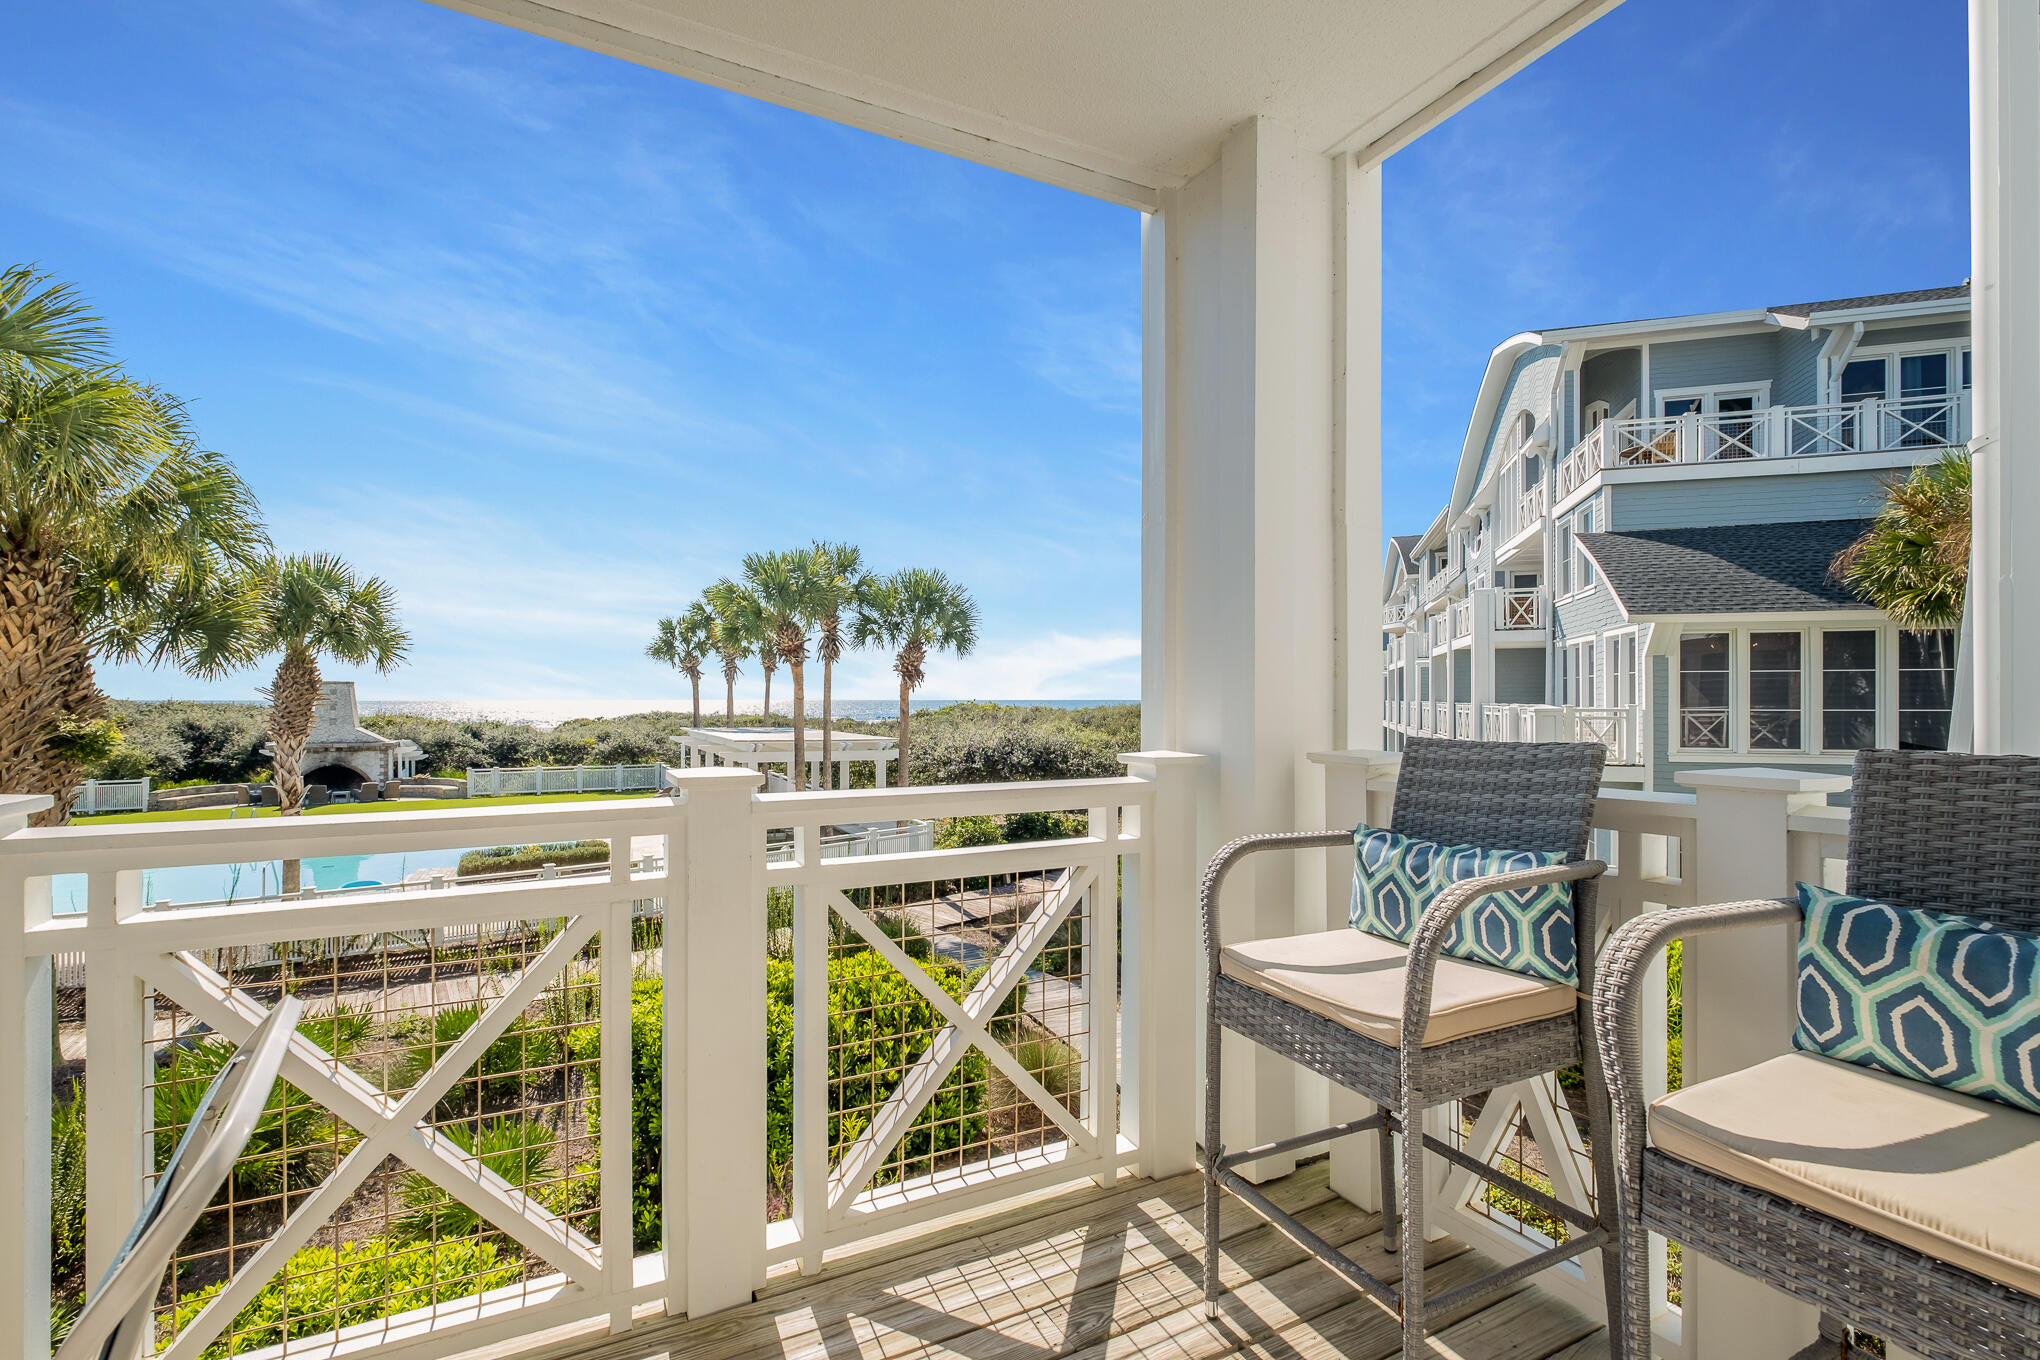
1949, 1175
1355, 979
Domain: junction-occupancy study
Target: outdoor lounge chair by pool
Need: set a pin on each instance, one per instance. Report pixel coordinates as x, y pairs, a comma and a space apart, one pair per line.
1895, 1197
1335, 1002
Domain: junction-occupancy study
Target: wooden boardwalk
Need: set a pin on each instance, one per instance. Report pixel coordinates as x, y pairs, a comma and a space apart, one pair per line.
1108, 1275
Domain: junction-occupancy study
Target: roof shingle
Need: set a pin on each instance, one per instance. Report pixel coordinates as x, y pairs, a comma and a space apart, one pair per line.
1728, 569
1960, 290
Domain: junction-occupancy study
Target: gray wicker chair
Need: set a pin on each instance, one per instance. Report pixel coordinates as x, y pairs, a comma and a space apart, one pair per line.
1929, 830
1493, 794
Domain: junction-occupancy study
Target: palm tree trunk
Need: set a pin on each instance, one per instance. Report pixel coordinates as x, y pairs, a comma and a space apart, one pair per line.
45, 676
292, 697
768, 694
729, 698
828, 729
906, 768
696, 681
798, 772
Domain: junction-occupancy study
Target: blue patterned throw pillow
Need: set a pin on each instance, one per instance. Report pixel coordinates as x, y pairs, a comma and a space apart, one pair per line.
1527, 931
1939, 998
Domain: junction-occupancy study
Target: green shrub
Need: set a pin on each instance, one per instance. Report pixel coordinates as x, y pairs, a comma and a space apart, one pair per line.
1046, 826
1016, 1000
323, 1289
525, 1048
997, 747
647, 1073
510, 859
67, 1184
1675, 1020
960, 833
1057, 1065
295, 1135
521, 1152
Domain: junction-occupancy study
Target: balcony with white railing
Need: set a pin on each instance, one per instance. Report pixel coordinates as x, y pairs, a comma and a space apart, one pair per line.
1522, 610
1620, 730
1462, 619
1727, 438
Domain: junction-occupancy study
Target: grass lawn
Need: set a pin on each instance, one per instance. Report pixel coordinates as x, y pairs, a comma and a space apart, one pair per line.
340, 809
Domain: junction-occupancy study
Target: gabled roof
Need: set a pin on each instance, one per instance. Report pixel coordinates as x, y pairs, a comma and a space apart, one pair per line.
1960, 290
1402, 545
1728, 569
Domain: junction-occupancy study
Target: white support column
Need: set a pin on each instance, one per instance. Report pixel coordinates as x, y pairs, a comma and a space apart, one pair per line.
1356, 454
26, 1040
2004, 148
714, 1083
1740, 1011
1239, 610
1160, 1025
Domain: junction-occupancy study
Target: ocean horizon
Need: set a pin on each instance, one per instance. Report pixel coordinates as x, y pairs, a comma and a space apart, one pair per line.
546, 713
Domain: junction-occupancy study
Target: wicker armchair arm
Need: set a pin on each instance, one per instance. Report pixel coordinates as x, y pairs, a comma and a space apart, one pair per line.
1435, 923
1617, 1012
1230, 854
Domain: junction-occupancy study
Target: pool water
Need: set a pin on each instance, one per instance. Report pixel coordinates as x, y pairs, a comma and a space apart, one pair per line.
234, 882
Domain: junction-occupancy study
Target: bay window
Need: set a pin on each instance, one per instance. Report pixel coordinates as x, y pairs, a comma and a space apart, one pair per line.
1774, 691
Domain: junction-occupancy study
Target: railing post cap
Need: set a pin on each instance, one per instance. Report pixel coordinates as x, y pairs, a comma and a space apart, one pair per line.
1760, 779
714, 779
1163, 759
1370, 759
19, 807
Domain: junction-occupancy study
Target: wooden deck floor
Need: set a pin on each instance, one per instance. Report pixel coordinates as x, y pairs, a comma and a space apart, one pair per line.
1112, 1274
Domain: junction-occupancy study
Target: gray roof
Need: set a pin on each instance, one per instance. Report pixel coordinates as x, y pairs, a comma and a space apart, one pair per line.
1401, 544
1960, 290
1728, 569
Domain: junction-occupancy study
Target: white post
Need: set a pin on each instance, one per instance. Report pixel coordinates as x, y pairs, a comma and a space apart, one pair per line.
26, 1017
714, 1122
1739, 1011
2004, 149
1348, 800
1160, 1022
1240, 620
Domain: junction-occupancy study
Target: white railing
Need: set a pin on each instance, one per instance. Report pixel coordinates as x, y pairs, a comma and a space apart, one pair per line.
1530, 506
548, 981
1776, 432
1615, 728
112, 795
1462, 721
533, 779
1462, 618
1522, 610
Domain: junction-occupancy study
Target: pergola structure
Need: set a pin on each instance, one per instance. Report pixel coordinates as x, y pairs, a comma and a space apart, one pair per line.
764, 748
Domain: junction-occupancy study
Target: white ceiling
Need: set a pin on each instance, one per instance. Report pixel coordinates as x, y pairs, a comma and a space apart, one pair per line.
1114, 97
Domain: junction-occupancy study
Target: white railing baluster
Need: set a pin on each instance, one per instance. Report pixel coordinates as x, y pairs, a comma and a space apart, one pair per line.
810, 1059
619, 1259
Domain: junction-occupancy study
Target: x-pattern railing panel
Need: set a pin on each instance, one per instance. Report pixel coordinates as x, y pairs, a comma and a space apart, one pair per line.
387, 1126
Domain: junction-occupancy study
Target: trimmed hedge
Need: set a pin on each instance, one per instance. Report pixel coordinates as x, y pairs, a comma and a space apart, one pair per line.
510, 859
647, 1077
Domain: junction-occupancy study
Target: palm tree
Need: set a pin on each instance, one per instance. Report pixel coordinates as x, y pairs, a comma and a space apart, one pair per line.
120, 538
682, 643
728, 639
782, 586
314, 605
839, 575
1913, 560
913, 612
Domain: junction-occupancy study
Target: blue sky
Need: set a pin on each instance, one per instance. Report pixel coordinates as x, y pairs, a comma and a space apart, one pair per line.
551, 340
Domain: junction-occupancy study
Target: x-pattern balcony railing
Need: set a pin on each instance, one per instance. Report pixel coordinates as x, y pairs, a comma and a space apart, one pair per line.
1715, 437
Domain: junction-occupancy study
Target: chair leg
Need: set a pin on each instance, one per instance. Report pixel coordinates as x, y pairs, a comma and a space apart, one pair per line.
1384, 1141
1213, 1070
1413, 1232
1614, 1257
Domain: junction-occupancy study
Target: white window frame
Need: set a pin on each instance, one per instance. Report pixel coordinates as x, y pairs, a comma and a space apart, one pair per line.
1811, 715
1624, 644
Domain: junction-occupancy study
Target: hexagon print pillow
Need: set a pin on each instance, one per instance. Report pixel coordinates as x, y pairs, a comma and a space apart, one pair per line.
1936, 997
1529, 930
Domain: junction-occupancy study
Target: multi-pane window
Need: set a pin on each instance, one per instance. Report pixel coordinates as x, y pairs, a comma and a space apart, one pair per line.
1848, 689
1774, 691
1579, 675
1926, 689
1703, 690
1623, 680
1563, 557
1583, 565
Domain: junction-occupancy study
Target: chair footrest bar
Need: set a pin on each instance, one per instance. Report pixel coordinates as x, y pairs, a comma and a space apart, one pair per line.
1550, 1204
1523, 1269
1362, 1279
1228, 1160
